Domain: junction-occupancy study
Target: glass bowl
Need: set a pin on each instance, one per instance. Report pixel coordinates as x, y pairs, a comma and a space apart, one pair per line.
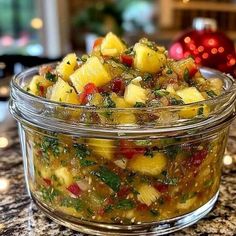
130, 171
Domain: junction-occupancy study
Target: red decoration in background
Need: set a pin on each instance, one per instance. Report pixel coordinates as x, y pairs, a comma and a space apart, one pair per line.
208, 47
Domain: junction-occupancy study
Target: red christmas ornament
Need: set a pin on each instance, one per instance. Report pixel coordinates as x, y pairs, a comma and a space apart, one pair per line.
208, 46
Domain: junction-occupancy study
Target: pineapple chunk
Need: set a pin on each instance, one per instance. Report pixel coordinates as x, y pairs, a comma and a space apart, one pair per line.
64, 176
66, 67
92, 71
102, 147
149, 166
37, 81
96, 99
190, 95
170, 89
187, 205
135, 93
112, 45
45, 172
147, 194
148, 60
63, 92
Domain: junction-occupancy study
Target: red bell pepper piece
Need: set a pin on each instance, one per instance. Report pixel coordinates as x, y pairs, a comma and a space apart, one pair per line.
197, 158
142, 207
126, 59
129, 150
160, 187
89, 89
118, 86
97, 42
123, 192
74, 189
47, 181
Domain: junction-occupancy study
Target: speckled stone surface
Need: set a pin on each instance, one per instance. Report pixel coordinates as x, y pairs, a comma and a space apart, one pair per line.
20, 216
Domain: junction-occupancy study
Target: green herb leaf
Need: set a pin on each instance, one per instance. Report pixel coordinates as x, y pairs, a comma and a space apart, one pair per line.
125, 204
154, 212
81, 151
139, 104
50, 144
49, 194
108, 103
108, 208
51, 77
211, 93
147, 77
149, 152
161, 92
174, 101
186, 74
169, 71
108, 177
200, 111
85, 162
172, 151
186, 196
72, 202
208, 183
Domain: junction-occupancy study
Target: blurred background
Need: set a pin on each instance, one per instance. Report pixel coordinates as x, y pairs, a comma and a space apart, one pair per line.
34, 32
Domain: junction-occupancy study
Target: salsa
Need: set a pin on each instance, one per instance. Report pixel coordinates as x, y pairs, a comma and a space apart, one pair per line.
125, 180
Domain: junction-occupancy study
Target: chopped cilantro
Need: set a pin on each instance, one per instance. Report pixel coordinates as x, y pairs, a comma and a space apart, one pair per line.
139, 104
186, 74
211, 93
108, 208
172, 151
169, 71
154, 212
143, 142
50, 144
108, 177
161, 92
174, 101
108, 103
148, 152
85, 162
208, 183
81, 151
51, 77
186, 196
200, 111
90, 211
147, 77
125, 204
49, 194
72, 202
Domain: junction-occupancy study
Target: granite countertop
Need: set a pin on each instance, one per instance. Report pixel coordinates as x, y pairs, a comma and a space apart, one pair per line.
20, 216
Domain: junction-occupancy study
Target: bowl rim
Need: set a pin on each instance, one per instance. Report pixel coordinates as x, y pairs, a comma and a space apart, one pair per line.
35, 98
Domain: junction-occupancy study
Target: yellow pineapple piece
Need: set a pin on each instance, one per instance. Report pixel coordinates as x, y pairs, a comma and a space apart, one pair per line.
148, 60
187, 204
191, 95
96, 99
135, 93
63, 92
148, 165
45, 172
93, 71
147, 194
112, 45
170, 89
64, 176
102, 147
66, 67
37, 81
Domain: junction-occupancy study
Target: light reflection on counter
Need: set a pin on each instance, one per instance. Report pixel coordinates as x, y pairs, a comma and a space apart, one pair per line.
3, 142
4, 184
